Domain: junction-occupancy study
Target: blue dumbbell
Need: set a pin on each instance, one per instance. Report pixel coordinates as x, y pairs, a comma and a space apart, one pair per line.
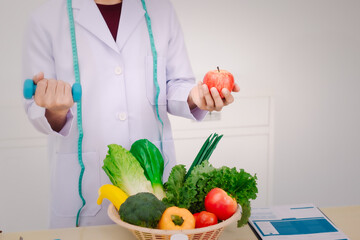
30, 87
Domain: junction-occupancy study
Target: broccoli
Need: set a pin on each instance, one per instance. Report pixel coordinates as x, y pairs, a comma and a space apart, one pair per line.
142, 209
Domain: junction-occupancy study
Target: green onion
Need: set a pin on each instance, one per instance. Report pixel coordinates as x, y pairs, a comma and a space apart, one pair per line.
206, 150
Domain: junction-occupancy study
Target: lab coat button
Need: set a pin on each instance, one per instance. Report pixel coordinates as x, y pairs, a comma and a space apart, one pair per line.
122, 116
118, 70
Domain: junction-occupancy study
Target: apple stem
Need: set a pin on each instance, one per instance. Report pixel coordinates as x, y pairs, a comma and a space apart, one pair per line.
218, 69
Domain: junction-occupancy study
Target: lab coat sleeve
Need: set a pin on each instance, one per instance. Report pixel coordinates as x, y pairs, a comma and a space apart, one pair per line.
37, 57
180, 78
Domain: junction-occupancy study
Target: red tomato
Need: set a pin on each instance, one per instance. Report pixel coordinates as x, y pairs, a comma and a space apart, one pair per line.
219, 79
196, 215
220, 203
205, 219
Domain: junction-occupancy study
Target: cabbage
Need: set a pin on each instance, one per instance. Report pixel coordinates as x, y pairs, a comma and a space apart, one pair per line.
124, 171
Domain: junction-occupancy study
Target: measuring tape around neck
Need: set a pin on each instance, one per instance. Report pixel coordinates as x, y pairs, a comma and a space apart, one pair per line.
155, 80
79, 110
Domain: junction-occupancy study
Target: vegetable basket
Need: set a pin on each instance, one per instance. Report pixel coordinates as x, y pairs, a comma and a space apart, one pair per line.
207, 233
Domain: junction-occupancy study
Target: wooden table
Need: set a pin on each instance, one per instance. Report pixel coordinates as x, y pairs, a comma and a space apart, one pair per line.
346, 218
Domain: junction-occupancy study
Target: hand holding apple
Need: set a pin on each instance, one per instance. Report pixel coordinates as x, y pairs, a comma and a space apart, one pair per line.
211, 99
219, 79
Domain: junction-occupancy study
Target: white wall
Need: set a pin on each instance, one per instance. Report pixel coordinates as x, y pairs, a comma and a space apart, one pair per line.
305, 54
23, 163
248, 140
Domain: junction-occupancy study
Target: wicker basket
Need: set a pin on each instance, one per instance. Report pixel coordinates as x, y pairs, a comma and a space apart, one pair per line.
207, 233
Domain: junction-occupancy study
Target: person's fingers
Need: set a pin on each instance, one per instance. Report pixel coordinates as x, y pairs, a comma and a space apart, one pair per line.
236, 88
200, 92
40, 92
51, 87
41, 87
38, 77
54, 95
201, 97
228, 97
68, 95
63, 96
50, 93
59, 92
208, 98
219, 103
67, 89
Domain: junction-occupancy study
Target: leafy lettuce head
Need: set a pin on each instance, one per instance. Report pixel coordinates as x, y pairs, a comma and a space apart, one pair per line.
124, 171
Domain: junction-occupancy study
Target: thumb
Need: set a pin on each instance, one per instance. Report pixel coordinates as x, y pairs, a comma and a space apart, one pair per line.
38, 77
236, 88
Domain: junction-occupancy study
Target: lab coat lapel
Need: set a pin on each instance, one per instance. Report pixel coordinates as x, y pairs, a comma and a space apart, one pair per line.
90, 18
131, 14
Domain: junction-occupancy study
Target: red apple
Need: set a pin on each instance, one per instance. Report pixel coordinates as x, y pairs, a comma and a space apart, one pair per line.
219, 79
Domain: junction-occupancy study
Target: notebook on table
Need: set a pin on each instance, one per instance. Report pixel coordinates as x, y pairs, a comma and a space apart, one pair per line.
300, 222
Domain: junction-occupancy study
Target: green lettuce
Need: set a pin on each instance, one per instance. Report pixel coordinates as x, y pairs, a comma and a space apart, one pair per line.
190, 193
174, 185
124, 171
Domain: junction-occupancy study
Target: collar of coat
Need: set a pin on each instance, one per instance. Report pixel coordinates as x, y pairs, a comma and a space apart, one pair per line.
87, 14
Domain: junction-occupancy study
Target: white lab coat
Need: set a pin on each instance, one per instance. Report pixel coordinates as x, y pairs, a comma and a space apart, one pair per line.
118, 92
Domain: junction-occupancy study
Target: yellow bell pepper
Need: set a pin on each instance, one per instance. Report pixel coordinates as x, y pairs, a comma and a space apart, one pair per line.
175, 218
114, 194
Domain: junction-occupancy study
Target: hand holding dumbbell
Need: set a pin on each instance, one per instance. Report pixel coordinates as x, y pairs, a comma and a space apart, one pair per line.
48, 86
56, 96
